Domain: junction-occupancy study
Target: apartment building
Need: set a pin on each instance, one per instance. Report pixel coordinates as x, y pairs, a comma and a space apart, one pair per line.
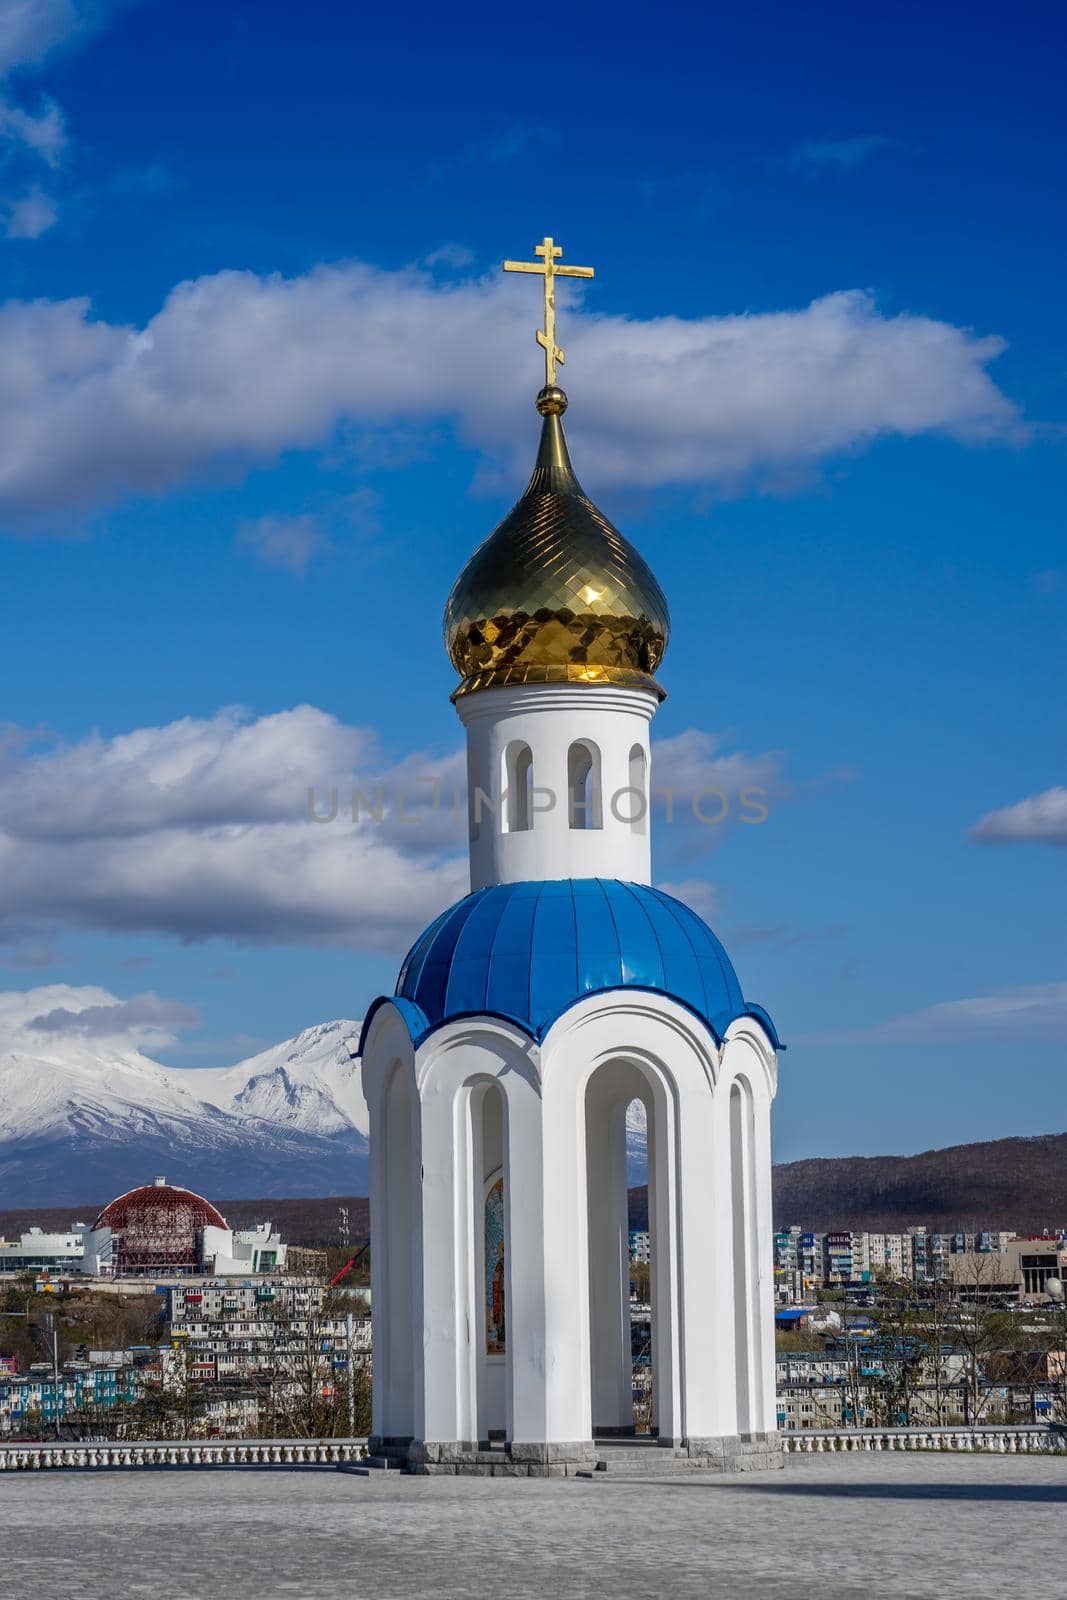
804, 1261
82, 1390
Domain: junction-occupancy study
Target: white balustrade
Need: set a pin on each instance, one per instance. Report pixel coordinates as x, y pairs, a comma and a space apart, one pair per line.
988, 1439
188, 1453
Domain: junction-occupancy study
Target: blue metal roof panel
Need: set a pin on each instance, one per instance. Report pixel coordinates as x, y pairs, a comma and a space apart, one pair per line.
528, 951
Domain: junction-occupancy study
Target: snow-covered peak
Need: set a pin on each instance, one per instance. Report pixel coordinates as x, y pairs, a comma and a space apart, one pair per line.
76, 1097
310, 1082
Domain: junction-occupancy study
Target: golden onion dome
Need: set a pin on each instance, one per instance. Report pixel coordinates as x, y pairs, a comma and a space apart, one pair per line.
555, 594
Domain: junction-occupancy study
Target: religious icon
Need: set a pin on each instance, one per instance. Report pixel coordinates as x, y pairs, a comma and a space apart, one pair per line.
495, 1304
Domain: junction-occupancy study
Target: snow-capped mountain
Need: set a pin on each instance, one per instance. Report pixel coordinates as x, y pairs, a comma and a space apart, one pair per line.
83, 1117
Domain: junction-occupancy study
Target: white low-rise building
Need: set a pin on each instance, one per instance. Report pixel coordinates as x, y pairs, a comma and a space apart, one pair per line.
37, 1251
173, 1233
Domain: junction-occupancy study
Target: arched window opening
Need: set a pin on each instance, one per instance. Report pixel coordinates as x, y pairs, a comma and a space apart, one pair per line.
583, 785
629, 1255
638, 796
517, 813
641, 1267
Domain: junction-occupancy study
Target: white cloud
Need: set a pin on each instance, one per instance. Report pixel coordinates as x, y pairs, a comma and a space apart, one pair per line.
29, 29
287, 542
31, 215
1039, 819
291, 542
1036, 1009
145, 1016
202, 828
239, 368
44, 134
700, 792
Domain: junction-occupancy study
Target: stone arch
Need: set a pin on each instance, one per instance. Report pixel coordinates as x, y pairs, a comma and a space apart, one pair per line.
516, 814
680, 1061
585, 805
610, 1089
477, 1079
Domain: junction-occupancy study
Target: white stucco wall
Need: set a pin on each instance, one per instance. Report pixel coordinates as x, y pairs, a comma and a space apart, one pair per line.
549, 719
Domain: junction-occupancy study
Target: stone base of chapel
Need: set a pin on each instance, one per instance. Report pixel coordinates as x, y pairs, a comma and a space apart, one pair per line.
618, 1457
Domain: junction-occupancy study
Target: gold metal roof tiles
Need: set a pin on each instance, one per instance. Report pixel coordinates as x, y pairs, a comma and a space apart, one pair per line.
555, 594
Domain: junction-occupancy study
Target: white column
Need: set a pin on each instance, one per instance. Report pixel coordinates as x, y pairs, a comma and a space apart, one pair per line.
663, 1225
447, 1397
706, 1331
396, 1254
529, 1355
765, 1410
724, 1320
745, 1263
548, 1340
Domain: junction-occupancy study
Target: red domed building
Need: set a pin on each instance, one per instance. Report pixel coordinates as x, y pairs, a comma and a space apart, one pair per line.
157, 1229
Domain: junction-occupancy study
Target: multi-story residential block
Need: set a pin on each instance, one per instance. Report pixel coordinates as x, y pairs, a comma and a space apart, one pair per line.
82, 1390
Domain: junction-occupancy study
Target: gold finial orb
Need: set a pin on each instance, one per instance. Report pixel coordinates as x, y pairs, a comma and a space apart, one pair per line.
551, 402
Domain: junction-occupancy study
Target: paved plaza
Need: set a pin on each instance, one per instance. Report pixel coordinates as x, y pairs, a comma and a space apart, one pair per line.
909, 1526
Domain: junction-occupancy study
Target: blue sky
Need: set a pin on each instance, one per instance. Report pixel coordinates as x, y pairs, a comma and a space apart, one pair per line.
819, 380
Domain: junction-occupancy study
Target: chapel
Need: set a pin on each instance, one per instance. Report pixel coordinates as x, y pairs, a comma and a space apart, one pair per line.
527, 1021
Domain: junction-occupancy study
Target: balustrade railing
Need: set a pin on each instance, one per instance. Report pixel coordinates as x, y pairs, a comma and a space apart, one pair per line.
990, 1439
184, 1453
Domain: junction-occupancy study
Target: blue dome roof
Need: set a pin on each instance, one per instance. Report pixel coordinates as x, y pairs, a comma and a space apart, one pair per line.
528, 951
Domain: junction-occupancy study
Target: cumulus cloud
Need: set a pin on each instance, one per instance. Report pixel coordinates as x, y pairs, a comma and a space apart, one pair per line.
700, 792
44, 134
142, 1016
31, 1018
292, 827
201, 828
236, 368
844, 154
1039, 819
1039, 1010
31, 215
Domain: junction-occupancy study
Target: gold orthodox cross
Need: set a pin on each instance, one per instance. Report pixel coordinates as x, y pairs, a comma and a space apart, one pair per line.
549, 252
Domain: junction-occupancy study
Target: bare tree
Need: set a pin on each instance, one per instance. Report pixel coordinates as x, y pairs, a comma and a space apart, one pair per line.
979, 1328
